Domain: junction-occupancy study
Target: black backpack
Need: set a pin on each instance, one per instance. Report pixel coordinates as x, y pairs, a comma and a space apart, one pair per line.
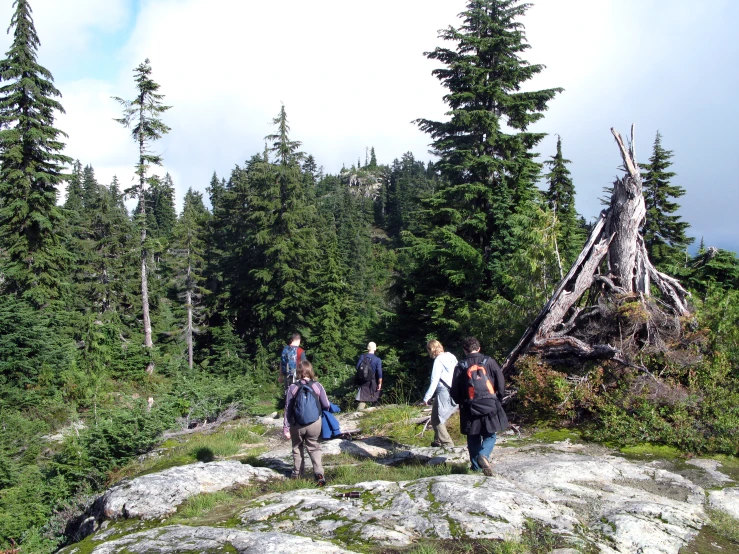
364, 371
480, 396
306, 404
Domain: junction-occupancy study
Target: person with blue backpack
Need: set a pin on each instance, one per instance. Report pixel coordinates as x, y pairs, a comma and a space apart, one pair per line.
306, 399
292, 355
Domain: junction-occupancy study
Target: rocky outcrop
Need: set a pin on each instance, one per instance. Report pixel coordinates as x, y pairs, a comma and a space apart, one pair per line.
159, 494
591, 497
726, 500
176, 539
612, 503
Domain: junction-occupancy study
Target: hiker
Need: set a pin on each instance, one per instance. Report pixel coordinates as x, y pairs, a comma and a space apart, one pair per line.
441, 383
478, 388
292, 354
306, 399
368, 377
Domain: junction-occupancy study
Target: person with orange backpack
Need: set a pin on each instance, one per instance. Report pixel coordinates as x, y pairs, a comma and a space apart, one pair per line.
478, 387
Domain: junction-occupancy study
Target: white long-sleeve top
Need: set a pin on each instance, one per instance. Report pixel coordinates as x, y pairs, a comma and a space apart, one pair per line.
443, 370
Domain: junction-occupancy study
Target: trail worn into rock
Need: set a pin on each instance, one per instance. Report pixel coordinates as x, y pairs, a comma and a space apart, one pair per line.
615, 504
588, 494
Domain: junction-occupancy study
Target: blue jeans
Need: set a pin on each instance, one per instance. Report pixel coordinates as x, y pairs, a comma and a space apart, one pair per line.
480, 444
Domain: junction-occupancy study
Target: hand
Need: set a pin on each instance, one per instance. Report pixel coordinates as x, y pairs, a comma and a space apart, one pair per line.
286, 434
280, 378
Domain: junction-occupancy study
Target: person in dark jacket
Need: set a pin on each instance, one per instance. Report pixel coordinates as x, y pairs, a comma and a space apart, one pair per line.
371, 390
480, 429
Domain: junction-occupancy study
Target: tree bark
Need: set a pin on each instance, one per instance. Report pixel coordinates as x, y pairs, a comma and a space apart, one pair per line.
188, 332
142, 203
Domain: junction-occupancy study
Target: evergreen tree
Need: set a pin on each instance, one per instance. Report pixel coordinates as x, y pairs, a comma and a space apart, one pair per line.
569, 234
332, 318
90, 187
373, 159
188, 247
664, 232
163, 206
407, 186
31, 167
75, 193
215, 244
142, 116
489, 175
285, 236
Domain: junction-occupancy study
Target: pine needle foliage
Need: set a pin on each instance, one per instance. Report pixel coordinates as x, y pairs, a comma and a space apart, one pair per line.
664, 230
31, 167
488, 169
569, 232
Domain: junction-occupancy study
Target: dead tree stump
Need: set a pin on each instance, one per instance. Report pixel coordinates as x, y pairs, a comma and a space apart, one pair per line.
615, 243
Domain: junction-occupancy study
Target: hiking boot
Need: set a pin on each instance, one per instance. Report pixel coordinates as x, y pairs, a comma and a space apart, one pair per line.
436, 444
484, 464
320, 480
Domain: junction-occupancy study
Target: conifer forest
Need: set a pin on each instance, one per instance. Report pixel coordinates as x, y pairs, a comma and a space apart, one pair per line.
129, 322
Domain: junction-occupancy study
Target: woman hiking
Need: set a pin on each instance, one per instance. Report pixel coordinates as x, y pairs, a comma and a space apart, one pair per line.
306, 399
441, 382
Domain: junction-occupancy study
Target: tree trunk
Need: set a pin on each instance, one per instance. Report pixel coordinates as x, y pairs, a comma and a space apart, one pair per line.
142, 203
616, 238
188, 332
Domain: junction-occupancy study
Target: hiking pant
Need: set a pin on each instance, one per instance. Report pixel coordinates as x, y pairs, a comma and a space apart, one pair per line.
288, 379
480, 444
306, 437
441, 435
442, 408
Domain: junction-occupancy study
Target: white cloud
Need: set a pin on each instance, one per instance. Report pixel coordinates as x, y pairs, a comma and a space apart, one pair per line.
69, 29
353, 75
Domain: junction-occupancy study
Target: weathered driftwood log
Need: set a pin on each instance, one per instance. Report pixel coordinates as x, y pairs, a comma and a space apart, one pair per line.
616, 239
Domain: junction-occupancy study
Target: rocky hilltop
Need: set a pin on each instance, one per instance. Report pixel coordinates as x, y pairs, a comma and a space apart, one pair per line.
589, 498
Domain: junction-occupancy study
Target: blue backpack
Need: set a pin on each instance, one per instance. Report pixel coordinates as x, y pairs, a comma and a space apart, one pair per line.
291, 355
306, 405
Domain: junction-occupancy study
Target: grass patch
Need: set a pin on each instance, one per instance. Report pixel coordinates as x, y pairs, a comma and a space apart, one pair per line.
725, 525
648, 450
194, 448
195, 506
556, 435
369, 470
222, 506
396, 423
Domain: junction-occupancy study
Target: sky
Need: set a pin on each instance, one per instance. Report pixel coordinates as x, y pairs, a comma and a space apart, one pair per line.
352, 75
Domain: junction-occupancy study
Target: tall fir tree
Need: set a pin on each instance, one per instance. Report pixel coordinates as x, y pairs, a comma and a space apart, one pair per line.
31, 167
488, 168
664, 231
75, 193
91, 188
188, 248
569, 233
142, 115
285, 236
163, 206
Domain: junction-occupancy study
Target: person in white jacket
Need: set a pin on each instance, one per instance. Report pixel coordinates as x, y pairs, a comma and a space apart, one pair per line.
441, 382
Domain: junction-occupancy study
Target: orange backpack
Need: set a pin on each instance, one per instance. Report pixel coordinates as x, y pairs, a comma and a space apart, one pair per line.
480, 390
